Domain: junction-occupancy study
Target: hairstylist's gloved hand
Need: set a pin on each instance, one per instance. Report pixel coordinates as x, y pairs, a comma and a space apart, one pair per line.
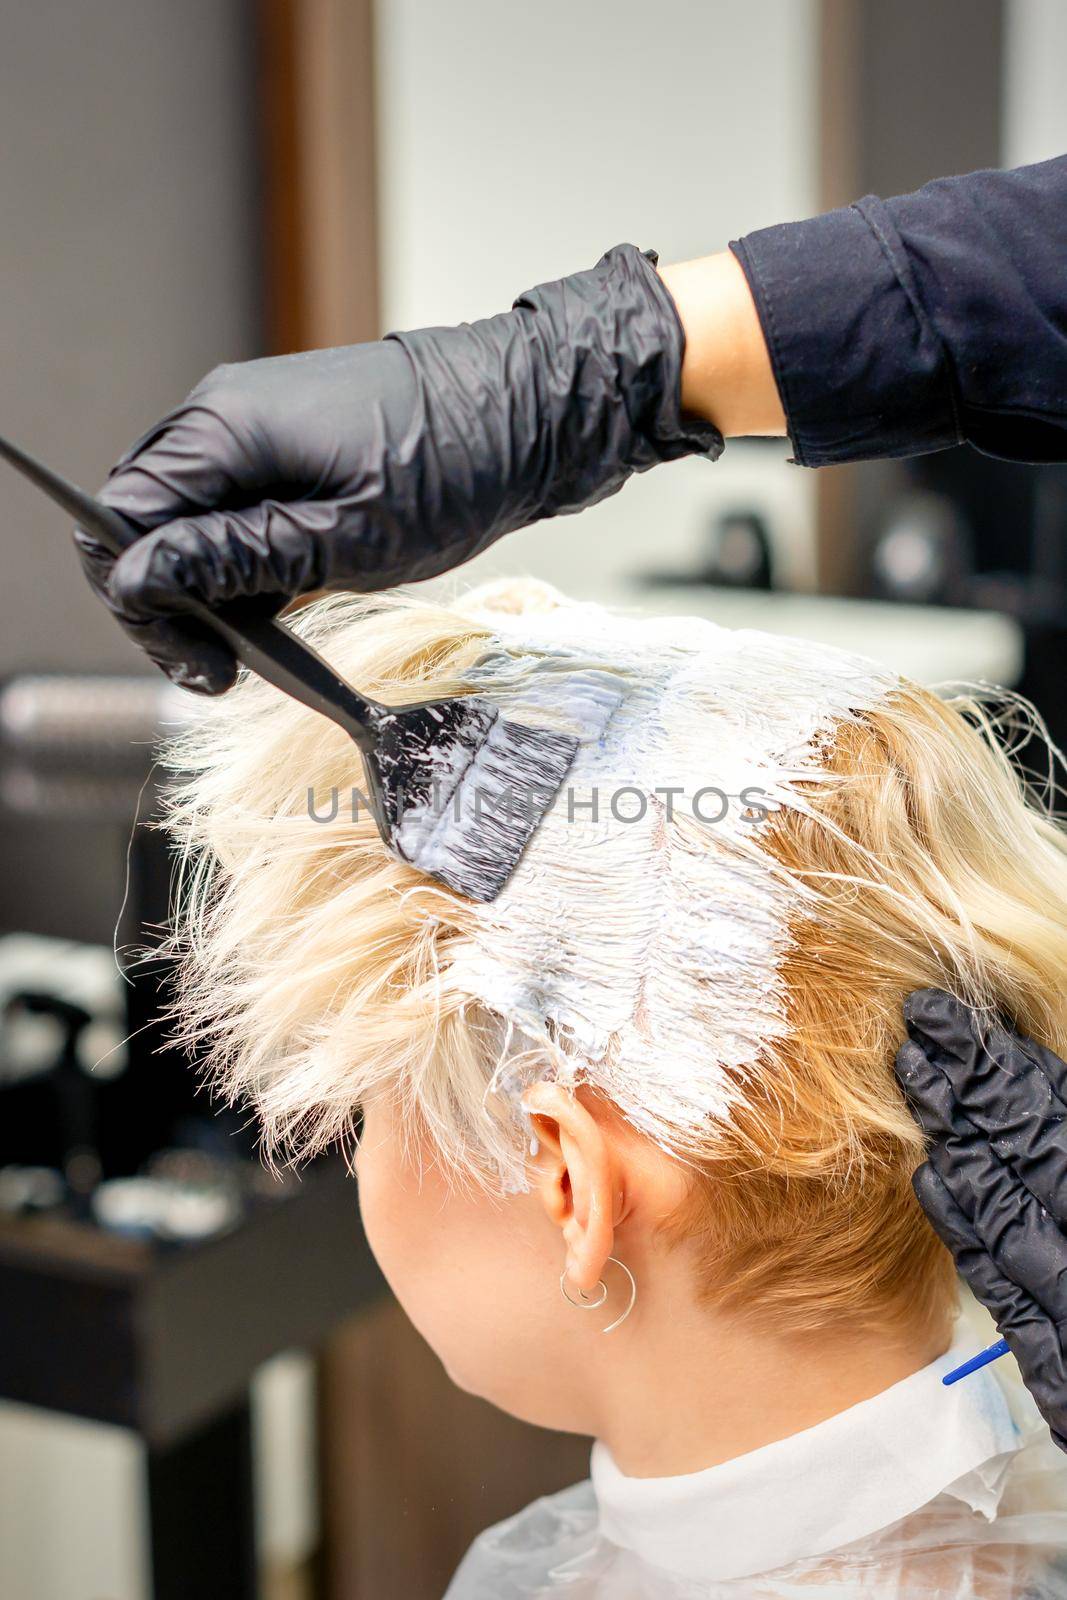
995, 1184
385, 462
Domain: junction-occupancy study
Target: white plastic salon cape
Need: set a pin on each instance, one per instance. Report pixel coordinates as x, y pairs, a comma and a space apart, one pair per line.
923, 1491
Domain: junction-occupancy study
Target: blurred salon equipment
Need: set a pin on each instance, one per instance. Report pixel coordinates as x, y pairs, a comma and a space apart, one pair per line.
149, 1265
964, 530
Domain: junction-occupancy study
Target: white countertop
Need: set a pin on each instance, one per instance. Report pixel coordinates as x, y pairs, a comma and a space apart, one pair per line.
932, 644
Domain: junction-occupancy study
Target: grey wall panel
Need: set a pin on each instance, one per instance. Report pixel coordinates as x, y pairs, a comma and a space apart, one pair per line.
128, 263
930, 91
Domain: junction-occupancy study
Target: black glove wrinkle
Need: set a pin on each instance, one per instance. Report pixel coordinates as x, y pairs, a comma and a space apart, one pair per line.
383, 463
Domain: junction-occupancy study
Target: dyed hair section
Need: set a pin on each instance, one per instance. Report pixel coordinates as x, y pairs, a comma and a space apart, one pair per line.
900, 851
933, 867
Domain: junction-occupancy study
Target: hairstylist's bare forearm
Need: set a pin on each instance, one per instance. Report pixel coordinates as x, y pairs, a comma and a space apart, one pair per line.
726, 373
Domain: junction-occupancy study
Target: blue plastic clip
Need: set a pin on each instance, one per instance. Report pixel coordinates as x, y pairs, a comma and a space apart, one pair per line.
992, 1352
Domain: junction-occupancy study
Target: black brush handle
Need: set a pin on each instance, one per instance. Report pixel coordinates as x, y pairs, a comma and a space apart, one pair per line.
261, 643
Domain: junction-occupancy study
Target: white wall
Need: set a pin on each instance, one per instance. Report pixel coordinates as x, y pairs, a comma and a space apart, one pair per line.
73, 1522
1035, 69
519, 143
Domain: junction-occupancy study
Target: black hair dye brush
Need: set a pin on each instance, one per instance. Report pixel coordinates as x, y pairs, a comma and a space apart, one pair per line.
456, 789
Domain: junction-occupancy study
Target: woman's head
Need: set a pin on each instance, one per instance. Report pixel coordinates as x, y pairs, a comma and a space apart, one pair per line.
693, 981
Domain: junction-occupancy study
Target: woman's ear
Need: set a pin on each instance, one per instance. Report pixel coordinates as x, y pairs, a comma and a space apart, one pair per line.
576, 1174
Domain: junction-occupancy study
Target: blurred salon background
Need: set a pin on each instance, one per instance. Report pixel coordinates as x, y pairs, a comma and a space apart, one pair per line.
204, 1387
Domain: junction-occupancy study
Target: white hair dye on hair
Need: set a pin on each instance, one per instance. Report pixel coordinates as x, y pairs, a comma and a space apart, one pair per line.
643, 956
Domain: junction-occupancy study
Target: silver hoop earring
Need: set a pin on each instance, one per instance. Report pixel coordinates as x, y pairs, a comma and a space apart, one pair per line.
585, 1302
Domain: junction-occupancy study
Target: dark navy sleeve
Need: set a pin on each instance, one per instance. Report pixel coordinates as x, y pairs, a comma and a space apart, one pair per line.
897, 327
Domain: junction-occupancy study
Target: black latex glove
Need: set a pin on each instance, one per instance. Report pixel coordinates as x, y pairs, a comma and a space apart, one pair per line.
995, 1184
385, 462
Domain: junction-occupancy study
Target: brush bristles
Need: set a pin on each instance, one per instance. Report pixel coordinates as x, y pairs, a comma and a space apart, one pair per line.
470, 833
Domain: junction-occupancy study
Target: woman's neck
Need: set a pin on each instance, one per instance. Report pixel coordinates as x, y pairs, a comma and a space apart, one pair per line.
699, 1391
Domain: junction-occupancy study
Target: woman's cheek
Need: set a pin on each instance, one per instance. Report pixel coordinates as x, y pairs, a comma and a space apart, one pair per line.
467, 1281
404, 1226
382, 1202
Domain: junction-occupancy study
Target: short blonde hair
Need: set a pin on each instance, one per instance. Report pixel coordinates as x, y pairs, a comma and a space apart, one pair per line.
311, 962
